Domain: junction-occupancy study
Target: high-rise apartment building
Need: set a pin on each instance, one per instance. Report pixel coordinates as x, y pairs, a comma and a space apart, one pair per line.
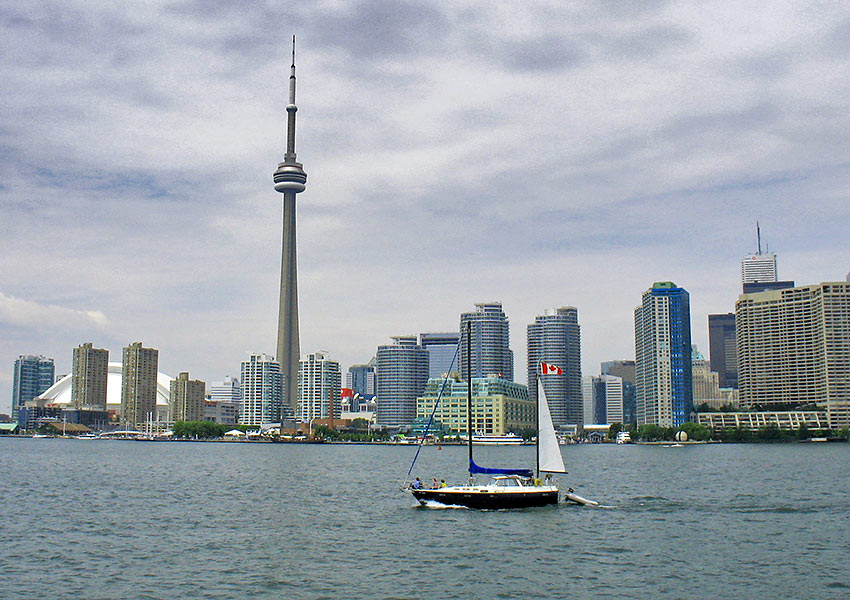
794, 349
33, 375
490, 335
625, 370
442, 352
262, 390
361, 379
401, 370
663, 356
187, 398
138, 385
722, 348
319, 385
89, 368
555, 338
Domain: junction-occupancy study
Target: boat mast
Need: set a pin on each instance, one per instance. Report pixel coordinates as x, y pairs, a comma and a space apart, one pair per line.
537, 422
469, 391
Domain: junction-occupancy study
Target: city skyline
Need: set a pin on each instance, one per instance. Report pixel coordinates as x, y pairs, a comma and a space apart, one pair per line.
137, 204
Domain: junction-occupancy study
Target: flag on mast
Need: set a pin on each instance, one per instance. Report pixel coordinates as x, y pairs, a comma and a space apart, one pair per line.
547, 369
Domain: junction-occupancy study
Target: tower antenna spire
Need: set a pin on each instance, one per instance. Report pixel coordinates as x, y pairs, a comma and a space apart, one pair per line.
758, 235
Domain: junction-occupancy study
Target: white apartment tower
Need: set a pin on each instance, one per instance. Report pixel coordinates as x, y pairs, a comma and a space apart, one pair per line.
262, 391
319, 384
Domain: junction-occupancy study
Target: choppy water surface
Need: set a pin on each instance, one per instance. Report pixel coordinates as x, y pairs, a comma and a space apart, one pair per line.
111, 519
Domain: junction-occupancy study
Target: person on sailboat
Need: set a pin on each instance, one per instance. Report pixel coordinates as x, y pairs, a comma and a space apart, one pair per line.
416, 484
434, 484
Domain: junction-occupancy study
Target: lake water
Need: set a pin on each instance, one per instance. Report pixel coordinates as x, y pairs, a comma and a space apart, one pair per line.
112, 519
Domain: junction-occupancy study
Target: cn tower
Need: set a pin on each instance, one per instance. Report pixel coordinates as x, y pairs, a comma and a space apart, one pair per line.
289, 179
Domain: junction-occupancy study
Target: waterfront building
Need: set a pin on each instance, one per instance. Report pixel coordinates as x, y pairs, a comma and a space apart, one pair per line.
499, 406
401, 369
319, 386
442, 352
289, 179
138, 385
794, 349
89, 368
722, 349
187, 398
220, 411
790, 420
663, 356
32, 376
361, 379
262, 391
555, 338
625, 370
224, 401
491, 352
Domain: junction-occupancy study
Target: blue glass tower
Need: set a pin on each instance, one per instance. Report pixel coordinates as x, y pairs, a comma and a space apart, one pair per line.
33, 375
663, 356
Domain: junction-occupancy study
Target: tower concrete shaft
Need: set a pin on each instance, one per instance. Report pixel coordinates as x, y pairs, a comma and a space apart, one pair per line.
289, 179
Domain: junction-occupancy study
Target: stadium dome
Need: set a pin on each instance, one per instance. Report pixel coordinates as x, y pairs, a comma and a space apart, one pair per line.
60, 392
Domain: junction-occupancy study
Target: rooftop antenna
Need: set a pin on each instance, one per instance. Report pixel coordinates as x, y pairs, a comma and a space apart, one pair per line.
758, 235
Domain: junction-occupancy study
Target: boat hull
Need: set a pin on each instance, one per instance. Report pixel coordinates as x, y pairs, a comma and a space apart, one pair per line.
484, 498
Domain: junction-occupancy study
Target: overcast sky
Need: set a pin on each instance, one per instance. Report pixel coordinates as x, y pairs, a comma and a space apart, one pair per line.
541, 154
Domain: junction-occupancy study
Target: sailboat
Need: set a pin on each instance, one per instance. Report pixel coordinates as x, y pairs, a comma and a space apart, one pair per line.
510, 488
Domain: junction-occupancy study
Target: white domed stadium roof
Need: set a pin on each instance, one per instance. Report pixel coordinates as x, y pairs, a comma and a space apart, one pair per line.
60, 392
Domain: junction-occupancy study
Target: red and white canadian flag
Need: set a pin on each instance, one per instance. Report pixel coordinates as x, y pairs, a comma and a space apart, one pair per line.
547, 369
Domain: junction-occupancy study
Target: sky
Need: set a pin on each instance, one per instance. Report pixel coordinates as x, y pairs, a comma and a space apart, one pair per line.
540, 154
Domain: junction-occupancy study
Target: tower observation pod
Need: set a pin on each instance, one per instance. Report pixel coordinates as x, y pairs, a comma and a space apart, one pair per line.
289, 179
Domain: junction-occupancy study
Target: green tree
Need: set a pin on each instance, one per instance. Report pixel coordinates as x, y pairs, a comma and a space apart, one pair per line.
614, 429
696, 432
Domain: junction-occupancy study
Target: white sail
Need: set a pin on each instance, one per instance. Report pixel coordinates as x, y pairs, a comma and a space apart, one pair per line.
548, 450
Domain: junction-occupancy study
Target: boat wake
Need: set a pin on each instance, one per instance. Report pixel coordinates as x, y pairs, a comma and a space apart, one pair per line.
434, 505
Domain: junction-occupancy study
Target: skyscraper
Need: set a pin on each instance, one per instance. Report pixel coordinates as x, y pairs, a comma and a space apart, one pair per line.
706, 382
759, 267
361, 379
138, 384
663, 356
262, 393
603, 399
490, 335
442, 352
88, 377
33, 375
555, 337
289, 180
401, 370
187, 398
723, 353
794, 349
319, 384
